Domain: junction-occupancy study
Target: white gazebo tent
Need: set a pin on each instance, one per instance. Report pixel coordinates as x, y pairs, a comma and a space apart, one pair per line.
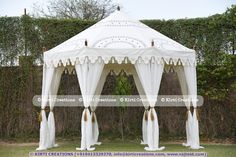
118, 42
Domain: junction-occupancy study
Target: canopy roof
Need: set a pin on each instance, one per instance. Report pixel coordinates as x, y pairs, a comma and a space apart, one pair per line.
120, 39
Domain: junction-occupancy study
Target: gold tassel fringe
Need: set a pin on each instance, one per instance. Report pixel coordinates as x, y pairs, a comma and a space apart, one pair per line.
152, 115
146, 115
40, 116
197, 114
85, 116
93, 117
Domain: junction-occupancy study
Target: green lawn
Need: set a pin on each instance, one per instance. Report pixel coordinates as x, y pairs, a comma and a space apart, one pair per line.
22, 150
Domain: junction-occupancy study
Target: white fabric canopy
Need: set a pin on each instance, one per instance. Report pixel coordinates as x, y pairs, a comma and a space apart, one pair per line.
118, 39
146, 106
52, 95
191, 79
93, 106
88, 76
51, 80
184, 88
150, 77
44, 141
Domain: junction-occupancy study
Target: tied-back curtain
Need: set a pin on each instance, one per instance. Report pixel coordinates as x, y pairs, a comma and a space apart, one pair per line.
88, 76
93, 106
52, 96
184, 88
146, 106
150, 75
191, 79
48, 73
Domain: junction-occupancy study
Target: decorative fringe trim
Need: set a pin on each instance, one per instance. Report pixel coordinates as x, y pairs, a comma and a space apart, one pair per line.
114, 59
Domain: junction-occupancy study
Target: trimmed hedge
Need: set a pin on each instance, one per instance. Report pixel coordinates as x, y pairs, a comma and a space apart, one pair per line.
213, 38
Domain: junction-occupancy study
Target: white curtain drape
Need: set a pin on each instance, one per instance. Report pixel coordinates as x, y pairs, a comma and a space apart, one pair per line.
150, 75
184, 88
93, 106
52, 96
191, 79
146, 106
88, 76
44, 131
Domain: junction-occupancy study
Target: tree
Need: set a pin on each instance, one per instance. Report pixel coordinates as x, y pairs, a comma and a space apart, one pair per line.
230, 22
122, 87
81, 9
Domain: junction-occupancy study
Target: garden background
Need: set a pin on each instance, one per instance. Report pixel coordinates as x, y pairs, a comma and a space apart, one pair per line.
23, 40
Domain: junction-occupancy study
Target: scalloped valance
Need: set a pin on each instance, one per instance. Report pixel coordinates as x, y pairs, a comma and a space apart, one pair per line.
120, 56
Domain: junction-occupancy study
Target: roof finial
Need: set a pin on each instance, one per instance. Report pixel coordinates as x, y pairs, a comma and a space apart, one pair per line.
118, 8
152, 43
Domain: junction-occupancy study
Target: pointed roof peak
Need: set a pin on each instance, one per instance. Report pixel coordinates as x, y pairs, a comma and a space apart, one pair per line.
118, 8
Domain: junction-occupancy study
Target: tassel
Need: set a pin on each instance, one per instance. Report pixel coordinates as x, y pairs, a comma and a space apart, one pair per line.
152, 115
197, 114
47, 109
40, 116
93, 117
85, 116
146, 115
186, 115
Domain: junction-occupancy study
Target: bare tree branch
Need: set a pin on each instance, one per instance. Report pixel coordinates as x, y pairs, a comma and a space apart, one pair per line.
81, 9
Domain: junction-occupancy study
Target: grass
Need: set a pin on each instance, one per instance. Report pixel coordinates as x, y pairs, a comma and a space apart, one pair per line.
22, 149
